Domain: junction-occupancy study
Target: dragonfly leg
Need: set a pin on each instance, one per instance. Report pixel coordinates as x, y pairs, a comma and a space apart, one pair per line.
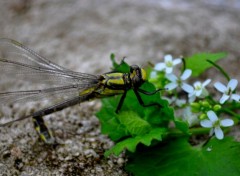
141, 101
43, 131
149, 93
121, 101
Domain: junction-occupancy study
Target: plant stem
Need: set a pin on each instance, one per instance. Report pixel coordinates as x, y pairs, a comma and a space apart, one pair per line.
192, 131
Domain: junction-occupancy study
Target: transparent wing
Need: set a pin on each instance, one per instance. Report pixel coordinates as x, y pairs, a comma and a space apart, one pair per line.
56, 93
46, 80
21, 61
15, 51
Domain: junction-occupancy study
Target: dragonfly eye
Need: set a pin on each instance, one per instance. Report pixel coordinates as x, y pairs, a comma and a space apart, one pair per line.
133, 68
138, 75
143, 74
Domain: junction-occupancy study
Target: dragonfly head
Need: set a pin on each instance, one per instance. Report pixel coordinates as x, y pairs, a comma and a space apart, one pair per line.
137, 75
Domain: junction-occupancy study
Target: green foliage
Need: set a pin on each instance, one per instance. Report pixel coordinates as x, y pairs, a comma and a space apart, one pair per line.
134, 124
157, 143
122, 67
182, 126
198, 62
131, 143
178, 157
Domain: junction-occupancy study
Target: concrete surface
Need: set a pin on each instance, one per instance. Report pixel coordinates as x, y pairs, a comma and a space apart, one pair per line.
80, 35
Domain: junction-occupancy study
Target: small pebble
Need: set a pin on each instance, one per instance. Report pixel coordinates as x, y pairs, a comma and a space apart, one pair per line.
120, 161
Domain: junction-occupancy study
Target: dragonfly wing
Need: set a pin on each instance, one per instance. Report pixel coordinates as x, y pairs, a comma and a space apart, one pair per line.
45, 80
15, 51
16, 60
10, 71
55, 94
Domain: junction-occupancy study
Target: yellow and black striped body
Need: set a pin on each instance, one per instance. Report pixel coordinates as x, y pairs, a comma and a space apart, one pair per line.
112, 84
44, 133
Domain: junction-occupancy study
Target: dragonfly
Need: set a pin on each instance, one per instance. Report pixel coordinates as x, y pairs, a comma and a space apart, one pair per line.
56, 82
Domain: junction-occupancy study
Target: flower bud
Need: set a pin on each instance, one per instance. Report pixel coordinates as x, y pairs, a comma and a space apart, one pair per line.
205, 104
202, 116
217, 107
195, 107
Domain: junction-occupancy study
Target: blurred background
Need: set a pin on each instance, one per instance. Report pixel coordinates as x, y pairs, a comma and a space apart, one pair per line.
81, 35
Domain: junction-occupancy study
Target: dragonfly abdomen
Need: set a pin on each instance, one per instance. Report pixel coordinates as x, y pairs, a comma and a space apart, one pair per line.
60, 106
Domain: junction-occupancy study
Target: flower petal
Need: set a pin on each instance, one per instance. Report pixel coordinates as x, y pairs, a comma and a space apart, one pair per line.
168, 58
159, 66
171, 86
169, 70
191, 98
187, 88
224, 98
211, 132
186, 74
218, 132
176, 61
226, 122
180, 102
198, 92
235, 97
212, 116
205, 83
204, 93
190, 94
220, 87
232, 84
197, 84
153, 74
170, 100
206, 123
171, 77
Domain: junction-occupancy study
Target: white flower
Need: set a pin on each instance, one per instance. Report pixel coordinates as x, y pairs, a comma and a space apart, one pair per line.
199, 90
215, 124
168, 64
175, 100
178, 81
227, 91
180, 102
189, 117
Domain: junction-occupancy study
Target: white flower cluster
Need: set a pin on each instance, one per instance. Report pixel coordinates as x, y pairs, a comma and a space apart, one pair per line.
198, 90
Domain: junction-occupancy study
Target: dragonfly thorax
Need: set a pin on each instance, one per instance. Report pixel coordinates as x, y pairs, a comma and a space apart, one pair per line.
138, 75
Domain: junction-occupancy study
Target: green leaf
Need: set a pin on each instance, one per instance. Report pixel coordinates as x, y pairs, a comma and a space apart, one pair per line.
178, 157
122, 67
181, 125
198, 62
110, 124
130, 144
134, 123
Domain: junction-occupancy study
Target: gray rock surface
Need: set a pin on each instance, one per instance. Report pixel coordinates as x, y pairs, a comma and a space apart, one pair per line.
80, 35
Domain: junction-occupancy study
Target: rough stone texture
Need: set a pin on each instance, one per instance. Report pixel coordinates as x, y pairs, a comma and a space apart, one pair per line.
80, 35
